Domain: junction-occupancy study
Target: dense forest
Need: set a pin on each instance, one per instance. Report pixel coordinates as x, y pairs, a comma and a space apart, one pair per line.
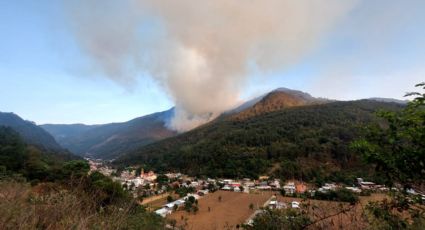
35, 164
311, 143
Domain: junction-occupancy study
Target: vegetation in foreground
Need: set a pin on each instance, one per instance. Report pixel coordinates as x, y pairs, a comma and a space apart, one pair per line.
61, 195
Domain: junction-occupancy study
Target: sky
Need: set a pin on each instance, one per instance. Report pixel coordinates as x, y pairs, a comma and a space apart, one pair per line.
48, 73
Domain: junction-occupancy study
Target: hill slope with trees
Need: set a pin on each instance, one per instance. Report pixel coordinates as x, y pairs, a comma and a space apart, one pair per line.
29, 131
309, 143
110, 140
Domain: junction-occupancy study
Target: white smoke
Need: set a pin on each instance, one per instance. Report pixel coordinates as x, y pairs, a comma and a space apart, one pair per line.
200, 51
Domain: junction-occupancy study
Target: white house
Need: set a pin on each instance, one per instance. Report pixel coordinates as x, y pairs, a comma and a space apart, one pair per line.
163, 212
289, 188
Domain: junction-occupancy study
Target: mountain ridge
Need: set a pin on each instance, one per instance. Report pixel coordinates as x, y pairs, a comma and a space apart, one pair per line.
29, 131
107, 141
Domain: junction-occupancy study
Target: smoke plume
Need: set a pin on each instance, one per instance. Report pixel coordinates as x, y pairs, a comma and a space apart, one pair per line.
200, 52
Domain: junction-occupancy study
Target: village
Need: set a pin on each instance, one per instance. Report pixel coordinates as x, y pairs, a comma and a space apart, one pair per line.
185, 200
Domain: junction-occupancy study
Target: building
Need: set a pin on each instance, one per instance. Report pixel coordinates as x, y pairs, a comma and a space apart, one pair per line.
163, 212
149, 176
367, 185
301, 188
289, 188
354, 189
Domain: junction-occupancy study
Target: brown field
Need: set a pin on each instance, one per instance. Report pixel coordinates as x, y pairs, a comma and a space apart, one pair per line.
234, 209
335, 215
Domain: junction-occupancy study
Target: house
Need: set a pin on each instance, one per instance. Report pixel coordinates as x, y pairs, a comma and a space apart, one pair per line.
227, 181
295, 204
301, 188
194, 184
354, 189
203, 192
163, 212
235, 184
177, 203
249, 184
227, 188
196, 196
264, 187
328, 187
367, 184
149, 176
274, 204
289, 188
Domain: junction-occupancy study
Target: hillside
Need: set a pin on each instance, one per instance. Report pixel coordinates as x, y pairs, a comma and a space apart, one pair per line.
309, 142
276, 100
30, 132
110, 140
62, 133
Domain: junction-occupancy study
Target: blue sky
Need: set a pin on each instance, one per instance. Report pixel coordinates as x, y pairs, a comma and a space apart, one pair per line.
377, 51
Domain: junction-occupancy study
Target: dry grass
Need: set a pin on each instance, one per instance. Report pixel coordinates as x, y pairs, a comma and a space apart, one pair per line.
232, 210
49, 206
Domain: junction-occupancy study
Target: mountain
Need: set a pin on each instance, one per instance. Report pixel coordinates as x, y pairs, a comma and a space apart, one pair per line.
110, 140
389, 100
276, 100
30, 132
62, 133
309, 142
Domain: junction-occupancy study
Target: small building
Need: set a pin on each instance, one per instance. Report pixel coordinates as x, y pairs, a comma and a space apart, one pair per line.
227, 188
354, 189
301, 188
295, 204
367, 185
289, 188
163, 212
203, 192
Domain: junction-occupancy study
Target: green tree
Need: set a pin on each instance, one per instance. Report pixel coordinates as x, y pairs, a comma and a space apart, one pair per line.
75, 168
397, 148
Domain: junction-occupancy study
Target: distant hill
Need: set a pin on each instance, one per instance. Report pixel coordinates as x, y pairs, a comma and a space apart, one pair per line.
62, 133
111, 140
309, 142
389, 100
30, 132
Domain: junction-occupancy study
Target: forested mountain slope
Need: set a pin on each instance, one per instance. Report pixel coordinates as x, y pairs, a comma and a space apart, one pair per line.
30, 132
308, 142
110, 140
